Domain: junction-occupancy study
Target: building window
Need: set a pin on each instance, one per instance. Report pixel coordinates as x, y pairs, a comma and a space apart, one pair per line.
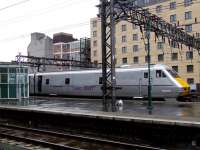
94, 23
158, 8
189, 68
188, 28
67, 81
172, 5
94, 43
173, 18
66, 47
197, 35
123, 27
94, 33
160, 45
146, 59
47, 81
134, 26
135, 37
188, 15
174, 44
135, 48
124, 49
123, 38
174, 56
175, 68
187, 2
190, 80
189, 55
160, 57
124, 60
96, 62
136, 60
95, 53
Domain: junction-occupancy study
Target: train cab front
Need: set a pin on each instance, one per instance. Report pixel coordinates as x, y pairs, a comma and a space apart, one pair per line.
184, 87
184, 90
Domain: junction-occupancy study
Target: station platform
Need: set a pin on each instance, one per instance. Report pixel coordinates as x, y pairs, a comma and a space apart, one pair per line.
168, 112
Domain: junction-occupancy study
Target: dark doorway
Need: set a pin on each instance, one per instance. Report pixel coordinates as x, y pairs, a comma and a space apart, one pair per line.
39, 83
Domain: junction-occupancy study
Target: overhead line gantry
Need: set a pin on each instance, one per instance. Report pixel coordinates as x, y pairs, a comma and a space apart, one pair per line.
114, 11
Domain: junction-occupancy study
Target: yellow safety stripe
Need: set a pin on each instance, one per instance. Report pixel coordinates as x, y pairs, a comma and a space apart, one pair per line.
184, 85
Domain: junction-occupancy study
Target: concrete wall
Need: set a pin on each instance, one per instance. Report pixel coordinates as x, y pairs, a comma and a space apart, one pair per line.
40, 45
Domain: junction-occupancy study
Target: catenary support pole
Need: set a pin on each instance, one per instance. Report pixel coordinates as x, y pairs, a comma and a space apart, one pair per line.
149, 107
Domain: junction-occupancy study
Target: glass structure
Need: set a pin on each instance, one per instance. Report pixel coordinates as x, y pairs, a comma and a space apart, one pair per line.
14, 82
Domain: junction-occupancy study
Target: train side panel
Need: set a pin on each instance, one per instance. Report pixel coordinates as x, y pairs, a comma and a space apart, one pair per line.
133, 83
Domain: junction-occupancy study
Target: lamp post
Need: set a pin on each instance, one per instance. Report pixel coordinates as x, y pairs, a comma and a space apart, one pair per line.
149, 107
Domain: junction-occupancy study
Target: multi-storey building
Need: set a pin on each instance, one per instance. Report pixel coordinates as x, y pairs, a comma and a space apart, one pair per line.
74, 50
131, 44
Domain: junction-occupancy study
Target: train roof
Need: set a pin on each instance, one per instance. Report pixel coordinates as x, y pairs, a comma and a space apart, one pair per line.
124, 69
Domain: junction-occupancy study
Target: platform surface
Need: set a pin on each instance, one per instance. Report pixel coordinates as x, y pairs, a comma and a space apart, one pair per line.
164, 112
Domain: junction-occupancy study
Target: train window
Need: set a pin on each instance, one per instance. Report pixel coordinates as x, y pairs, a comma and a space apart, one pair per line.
173, 73
160, 74
163, 75
47, 81
145, 74
67, 80
100, 80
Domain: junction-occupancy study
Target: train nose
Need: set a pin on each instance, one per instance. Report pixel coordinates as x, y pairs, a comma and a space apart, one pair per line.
185, 91
185, 88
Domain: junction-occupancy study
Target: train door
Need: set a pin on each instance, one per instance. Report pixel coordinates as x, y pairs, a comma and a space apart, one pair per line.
34, 83
39, 84
140, 87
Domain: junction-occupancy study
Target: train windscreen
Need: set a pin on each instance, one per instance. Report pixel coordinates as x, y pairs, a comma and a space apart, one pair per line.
173, 73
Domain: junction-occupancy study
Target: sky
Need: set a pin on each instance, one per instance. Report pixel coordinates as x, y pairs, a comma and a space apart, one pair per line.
20, 18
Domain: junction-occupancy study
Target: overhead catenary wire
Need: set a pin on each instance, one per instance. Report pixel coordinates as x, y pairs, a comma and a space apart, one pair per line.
51, 30
13, 5
41, 12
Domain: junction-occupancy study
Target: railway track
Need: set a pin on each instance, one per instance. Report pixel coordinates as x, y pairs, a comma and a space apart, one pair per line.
61, 141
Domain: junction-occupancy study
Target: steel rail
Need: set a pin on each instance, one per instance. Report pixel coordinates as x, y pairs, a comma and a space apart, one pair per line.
65, 135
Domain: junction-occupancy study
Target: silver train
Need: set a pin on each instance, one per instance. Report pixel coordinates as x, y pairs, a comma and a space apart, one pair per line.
133, 82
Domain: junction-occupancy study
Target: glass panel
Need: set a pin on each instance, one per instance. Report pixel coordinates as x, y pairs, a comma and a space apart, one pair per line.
26, 90
4, 78
145, 74
26, 70
12, 78
22, 90
12, 90
21, 79
12, 70
3, 70
173, 73
26, 79
4, 90
21, 70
